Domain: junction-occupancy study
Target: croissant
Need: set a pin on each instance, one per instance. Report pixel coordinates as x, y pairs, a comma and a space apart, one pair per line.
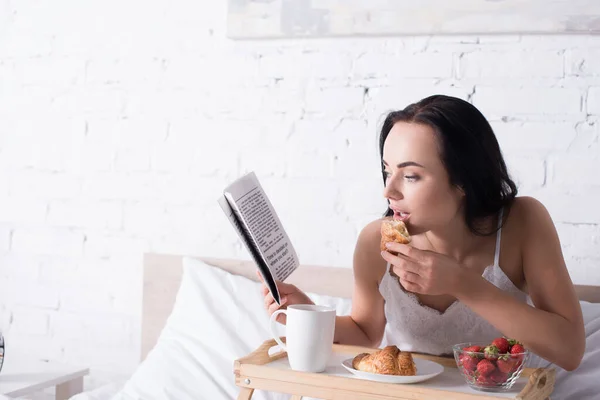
388, 361
393, 231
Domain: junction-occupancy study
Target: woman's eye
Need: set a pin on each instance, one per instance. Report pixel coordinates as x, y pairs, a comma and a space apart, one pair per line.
387, 174
411, 178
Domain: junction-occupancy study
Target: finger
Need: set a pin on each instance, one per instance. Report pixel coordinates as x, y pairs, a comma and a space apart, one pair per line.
406, 250
408, 276
273, 307
410, 286
269, 300
401, 261
264, 290
260, 276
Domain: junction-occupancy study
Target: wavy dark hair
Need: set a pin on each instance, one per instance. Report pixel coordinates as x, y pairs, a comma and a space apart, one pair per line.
469, 150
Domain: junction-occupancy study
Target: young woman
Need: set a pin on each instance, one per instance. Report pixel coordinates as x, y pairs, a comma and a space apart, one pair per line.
478, 252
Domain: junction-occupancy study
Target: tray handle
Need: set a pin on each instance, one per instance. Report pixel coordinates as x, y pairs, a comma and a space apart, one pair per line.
540, 385
261, 355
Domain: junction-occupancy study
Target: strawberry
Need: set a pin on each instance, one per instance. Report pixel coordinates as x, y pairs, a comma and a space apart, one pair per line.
517, 348
498, 377
506, 365
502, 345
485, 367
512, 342
491, 352
469, 363
476, 349
484, 381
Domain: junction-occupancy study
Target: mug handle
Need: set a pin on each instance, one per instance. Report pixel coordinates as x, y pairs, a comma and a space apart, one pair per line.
272, 328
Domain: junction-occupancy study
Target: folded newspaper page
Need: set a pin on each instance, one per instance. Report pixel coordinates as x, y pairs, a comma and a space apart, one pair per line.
249, 210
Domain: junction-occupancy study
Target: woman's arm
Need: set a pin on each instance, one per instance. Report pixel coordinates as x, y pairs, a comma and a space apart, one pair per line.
554, 328
366, 323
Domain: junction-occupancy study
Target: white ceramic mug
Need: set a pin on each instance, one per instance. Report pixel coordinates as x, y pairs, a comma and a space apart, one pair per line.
309, 335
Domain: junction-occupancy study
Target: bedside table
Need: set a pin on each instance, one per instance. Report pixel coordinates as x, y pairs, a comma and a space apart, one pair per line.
23, 376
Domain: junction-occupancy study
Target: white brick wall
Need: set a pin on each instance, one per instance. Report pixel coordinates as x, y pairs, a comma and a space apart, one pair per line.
118, 133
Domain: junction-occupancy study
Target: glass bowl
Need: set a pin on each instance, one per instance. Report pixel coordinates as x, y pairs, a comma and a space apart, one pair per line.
485, 368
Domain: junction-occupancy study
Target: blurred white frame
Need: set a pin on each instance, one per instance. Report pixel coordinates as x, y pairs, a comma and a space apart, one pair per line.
254, 19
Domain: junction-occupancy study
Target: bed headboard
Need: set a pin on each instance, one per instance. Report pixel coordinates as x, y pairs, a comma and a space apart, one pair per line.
163, 273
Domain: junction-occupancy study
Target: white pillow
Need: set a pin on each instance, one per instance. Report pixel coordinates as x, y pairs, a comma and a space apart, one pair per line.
217, 318
583, 383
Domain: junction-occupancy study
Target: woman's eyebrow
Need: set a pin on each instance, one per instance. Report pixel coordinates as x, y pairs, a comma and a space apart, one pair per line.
405, 164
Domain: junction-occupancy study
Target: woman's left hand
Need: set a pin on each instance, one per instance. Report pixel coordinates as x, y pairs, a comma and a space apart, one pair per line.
423, 271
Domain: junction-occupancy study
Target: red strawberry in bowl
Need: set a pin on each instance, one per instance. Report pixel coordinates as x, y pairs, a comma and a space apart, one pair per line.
491, 352
502, 344
485, 367
506, 364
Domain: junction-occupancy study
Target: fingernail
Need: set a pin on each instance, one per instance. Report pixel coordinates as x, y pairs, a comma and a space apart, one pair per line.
388, 245
383, 253
283, 300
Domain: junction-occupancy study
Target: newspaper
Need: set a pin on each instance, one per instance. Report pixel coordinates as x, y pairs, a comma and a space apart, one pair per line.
247, 206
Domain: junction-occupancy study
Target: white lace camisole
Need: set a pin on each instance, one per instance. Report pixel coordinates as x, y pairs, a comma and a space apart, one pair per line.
413, 326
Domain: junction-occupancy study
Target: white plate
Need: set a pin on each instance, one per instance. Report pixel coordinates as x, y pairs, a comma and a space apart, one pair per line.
425, 370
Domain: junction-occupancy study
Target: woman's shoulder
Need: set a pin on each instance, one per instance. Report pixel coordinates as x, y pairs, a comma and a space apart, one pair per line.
526, 209
527, 217
367, 251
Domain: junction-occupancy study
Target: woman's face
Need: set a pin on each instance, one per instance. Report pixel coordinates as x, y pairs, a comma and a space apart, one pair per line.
417, 185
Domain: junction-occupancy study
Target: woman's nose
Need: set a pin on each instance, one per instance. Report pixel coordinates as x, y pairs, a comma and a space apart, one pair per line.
390, 191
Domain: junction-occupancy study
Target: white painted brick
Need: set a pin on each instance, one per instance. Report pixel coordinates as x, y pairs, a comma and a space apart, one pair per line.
145, 219
44, 185
362, 196
20, 266
404, 65
529, 171
316, 194
113, 186
334, 101
57, 271
41, 348
105, 245
532, 136
576, 205
301, 64
583, 270
22, 209
308, 164
512, 64
105, 330
30, 322
568, 171
585, 142
593, 100
270, 163
499, 101
579, 240
52, 71
584, 62
34, 294
85, 298
5, 234
382, 100
100, 100
85, 214
127, 71
48, 241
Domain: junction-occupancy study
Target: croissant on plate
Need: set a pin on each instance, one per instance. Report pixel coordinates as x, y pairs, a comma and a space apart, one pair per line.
388, 361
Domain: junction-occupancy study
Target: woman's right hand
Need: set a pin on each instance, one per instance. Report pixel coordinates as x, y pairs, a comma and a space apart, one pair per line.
289, 294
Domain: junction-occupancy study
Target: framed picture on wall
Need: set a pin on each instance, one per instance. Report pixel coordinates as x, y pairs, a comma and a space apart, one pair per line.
318, 18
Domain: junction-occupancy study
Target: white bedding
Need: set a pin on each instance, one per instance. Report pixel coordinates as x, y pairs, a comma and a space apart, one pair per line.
210, 326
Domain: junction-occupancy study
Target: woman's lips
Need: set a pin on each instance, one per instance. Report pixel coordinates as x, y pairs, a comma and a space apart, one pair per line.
401, 215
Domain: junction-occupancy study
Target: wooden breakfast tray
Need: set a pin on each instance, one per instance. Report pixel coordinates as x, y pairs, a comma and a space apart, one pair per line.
271, 372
